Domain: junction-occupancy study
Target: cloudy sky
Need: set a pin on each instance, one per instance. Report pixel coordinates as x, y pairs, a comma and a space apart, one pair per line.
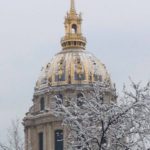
118, 33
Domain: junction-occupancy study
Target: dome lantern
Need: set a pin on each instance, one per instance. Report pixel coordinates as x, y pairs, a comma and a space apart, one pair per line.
73, 35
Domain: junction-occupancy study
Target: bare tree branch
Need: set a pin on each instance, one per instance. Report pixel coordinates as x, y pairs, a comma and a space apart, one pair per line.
15, 140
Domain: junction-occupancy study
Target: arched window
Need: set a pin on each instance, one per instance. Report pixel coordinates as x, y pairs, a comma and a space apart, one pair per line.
79, 99
74, 28
60, 98
41, 141
59, 140
42, 104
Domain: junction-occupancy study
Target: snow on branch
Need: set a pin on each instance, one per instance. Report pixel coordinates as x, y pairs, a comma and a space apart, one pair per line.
98, 124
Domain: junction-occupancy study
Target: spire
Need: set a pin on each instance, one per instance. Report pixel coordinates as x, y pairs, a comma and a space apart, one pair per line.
73, 38
72, 7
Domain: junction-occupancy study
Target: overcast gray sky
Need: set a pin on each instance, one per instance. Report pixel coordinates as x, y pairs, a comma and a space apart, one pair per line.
118, 33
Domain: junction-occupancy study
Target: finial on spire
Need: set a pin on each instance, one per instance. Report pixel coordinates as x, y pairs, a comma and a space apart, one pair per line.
72, 8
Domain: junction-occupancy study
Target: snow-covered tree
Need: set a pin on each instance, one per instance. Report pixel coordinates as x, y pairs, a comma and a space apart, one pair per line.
94, 124
14, 140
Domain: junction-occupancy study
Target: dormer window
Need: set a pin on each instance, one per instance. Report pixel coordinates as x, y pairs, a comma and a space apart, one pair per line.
42, 104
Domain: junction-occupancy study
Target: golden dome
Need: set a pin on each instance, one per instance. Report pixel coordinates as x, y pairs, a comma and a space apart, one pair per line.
72, 67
